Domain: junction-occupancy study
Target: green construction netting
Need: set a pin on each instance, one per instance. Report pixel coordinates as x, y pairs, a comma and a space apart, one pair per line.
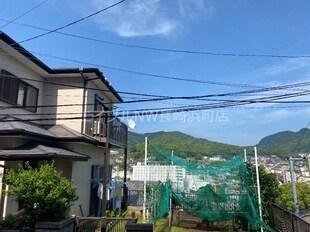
218, 192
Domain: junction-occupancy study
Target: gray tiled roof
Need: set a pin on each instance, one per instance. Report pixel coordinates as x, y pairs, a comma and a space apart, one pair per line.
10, 124
20, 126
62, 131
39, 151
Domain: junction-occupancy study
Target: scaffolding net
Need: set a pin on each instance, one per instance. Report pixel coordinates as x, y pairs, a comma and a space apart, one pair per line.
220, 191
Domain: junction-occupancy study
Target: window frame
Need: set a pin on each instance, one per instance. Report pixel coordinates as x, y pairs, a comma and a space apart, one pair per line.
12, 97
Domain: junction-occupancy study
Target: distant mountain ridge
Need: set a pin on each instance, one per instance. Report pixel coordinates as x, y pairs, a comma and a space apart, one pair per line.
182, 144
281, 144
288, 140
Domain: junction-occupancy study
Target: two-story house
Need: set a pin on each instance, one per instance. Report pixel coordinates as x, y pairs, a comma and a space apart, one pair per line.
56, 115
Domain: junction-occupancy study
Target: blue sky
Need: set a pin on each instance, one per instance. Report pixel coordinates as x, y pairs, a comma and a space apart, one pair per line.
238, 27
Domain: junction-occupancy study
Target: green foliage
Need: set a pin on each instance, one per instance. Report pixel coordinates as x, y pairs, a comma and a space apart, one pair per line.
288, 141
196, 148
13, 222
182, 144
46, 195
269, 186
118, 212
285, 199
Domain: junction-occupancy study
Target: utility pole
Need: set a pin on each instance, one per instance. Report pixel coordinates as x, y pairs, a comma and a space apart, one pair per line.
106, 159
293, 180
145, 176
170, 194
258, 188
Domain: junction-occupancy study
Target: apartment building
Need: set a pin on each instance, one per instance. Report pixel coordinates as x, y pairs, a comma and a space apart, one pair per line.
58, 115
157, 172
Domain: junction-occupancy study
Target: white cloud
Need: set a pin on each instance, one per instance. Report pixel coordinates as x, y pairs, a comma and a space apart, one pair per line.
287, 66
189, 9
282, 114
149, 17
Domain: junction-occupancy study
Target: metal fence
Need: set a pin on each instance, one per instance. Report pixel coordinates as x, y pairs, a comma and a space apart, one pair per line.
94, 224
286, 221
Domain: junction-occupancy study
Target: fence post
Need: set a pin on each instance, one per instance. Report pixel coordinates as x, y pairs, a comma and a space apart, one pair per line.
77, 222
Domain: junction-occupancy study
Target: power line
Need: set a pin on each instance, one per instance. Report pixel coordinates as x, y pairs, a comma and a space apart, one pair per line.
161, 98
259, 100
228, 103
132, 110
158, 49
72, 23
77, 86
151, 75
23, 14
230, 84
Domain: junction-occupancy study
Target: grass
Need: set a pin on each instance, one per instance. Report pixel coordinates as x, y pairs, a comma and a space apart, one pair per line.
163, 226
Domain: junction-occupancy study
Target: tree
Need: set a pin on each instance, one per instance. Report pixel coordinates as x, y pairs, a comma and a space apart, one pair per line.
269, 187
285, 199
44, 193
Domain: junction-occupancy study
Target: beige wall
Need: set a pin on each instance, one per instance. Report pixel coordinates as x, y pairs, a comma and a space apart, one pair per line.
62, 95
81, 175
15, 67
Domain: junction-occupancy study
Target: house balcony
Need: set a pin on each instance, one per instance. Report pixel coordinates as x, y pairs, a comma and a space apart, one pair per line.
96, 127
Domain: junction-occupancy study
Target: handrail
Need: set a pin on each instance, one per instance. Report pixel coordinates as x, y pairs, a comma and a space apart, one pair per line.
96, 128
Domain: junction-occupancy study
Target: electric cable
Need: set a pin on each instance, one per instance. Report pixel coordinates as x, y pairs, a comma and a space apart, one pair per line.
189, 108
72, 23
161, 98
158, 49
23, 14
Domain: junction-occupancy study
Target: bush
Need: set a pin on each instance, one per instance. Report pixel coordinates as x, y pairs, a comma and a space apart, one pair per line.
13, 222
45, 194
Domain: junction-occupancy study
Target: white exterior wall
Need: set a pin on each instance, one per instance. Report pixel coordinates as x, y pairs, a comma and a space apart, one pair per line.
20, 70
81, 175
62, 95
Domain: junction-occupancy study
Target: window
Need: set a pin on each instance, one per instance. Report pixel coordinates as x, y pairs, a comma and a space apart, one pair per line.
9, 86
17, 92
99, 105
31, 98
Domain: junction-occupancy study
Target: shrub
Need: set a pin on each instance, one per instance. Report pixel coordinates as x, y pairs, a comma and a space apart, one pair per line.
45, 194
13, 222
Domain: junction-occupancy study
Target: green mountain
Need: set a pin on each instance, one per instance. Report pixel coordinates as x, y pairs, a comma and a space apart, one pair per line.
282, 144
182, 144
293, 142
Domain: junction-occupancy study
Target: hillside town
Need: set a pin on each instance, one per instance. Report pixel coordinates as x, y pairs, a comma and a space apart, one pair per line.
154, 115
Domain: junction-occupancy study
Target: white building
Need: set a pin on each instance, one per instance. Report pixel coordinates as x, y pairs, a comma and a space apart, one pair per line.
158, 173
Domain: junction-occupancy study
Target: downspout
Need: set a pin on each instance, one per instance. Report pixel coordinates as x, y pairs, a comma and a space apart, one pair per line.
83, 106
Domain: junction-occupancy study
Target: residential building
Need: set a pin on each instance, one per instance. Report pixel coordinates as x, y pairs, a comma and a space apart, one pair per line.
157, 172
59, 115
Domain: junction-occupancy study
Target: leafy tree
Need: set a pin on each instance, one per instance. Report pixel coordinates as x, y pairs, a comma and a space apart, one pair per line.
285, 199
45, 194
269, 187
